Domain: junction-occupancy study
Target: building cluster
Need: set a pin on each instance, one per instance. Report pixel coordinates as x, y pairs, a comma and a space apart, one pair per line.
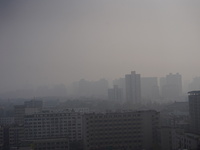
133, 88
176, 127
184, 136
76, 128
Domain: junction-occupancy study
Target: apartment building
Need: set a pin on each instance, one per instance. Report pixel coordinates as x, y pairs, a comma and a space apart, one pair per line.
49, 144
121, 130
133, 87
16, 135
50, 124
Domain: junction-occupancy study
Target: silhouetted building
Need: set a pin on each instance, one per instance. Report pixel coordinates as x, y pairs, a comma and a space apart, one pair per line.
194, 110
121, 130
1, 138
16, 135
122, 85
19, 112
133, 87
149, 88
169, 139
171, 86
115, 94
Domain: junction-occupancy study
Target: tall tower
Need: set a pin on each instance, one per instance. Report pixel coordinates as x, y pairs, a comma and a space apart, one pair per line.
133, 87
194, 110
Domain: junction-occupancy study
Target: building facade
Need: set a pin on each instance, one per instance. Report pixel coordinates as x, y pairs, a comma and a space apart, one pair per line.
115, 94
133, 87
19, 112
171, 86
194, 111
121, 130
16, 135
50, 124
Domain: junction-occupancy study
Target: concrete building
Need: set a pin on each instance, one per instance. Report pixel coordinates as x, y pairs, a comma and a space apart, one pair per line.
121, 130
133, 87
115, 94
188, 141
194, 111
49, 144
169, 137
19, 112
33, 106
50, 124
29, 107
122, 85
149, 88
16, 135
1, 138
6, 121
171, 86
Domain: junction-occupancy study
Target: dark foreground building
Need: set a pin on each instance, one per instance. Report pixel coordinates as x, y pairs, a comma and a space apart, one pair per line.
121, 130
194, 109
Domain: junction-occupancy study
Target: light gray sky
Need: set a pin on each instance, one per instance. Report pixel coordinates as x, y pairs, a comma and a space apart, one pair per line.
61, 41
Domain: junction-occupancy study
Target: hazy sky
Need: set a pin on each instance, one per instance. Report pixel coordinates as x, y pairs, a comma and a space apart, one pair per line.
61, 41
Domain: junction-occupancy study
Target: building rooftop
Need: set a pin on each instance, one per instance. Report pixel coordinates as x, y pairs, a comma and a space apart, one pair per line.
194, 93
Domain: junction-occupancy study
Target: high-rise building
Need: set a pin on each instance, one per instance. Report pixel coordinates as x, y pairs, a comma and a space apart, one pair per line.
121, 130
133, 87
171, 86
16, 135
115, 94
1, 138
19, 112
194, 110
122, 85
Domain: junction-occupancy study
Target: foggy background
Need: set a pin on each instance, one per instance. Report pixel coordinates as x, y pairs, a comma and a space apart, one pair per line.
48, 42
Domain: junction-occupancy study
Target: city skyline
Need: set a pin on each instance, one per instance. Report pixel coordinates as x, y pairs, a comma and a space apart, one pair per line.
52, 42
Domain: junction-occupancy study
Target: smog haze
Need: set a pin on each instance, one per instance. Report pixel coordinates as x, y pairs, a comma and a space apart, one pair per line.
46, 42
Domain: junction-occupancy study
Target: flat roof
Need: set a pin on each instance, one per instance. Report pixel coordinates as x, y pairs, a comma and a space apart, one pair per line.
194, 92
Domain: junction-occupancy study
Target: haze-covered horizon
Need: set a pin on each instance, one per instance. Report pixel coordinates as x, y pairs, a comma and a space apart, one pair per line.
47, 42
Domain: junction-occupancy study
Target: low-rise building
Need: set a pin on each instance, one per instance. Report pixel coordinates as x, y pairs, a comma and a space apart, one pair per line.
188, 141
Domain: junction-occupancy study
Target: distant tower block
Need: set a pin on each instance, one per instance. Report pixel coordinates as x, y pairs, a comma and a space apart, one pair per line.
133, 87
